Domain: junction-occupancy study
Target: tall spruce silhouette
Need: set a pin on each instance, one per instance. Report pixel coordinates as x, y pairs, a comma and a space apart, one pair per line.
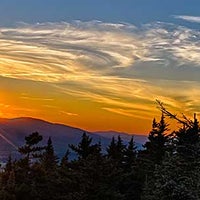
158, 139
85, 147
49, 160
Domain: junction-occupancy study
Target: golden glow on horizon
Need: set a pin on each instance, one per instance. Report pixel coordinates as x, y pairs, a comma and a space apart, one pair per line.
98, 76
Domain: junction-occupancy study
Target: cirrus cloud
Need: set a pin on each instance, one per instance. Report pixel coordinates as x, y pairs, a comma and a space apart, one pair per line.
117, 65
57, 52
195, 19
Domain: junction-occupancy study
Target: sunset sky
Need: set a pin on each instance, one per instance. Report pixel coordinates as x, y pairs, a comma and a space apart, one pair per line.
99, 64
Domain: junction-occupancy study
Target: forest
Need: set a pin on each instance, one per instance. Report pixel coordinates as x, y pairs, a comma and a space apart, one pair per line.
167, 168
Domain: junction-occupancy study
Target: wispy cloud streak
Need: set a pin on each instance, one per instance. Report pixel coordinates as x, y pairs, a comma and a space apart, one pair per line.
119, 66
195, 19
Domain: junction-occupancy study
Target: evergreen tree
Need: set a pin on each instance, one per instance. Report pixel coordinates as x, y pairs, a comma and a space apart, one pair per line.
65, 159
112, 149
85, 148
130, 154
153, 154
115, 150
27, 169
177, 176
156, 146
187, 139
49, 160
175, 179
30, 149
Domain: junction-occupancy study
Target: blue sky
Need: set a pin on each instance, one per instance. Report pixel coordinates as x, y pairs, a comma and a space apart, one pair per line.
131, 11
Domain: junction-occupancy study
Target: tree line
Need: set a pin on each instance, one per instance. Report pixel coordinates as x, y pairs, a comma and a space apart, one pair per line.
167, 168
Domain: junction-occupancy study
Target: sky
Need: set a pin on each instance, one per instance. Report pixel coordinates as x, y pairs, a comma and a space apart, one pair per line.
99, 65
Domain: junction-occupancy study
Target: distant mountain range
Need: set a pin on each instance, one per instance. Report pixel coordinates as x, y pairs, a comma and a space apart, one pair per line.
139, 139
13, 132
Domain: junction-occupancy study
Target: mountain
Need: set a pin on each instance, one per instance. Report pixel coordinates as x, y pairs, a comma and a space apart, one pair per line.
13, 132
139, 139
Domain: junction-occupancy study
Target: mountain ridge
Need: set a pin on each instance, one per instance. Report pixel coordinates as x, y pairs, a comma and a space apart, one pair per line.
14, 130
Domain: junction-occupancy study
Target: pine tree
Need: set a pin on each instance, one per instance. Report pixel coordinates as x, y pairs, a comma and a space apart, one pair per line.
85, 148
156, 146
116, 150
65, 160
30, 149
49, 160
85, 173
112, 149
130, 154
27, 169
175, 179
153, 155
187, 139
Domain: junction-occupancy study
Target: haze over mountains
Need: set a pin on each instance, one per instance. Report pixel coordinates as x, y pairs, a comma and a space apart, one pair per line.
13, 132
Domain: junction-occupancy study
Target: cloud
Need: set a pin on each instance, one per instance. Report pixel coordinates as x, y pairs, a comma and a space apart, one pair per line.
129, 113
9, 109
58, 52
115, 65
35, 98
54, 51
68, 113
195, 19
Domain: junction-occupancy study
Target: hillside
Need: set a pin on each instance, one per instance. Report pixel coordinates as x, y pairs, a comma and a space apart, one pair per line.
13, 132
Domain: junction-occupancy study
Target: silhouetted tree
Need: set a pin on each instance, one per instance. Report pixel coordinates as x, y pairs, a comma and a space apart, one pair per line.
65, 159
156, 146
30, 149
115, 150
49, 160
130, 154
85, 147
